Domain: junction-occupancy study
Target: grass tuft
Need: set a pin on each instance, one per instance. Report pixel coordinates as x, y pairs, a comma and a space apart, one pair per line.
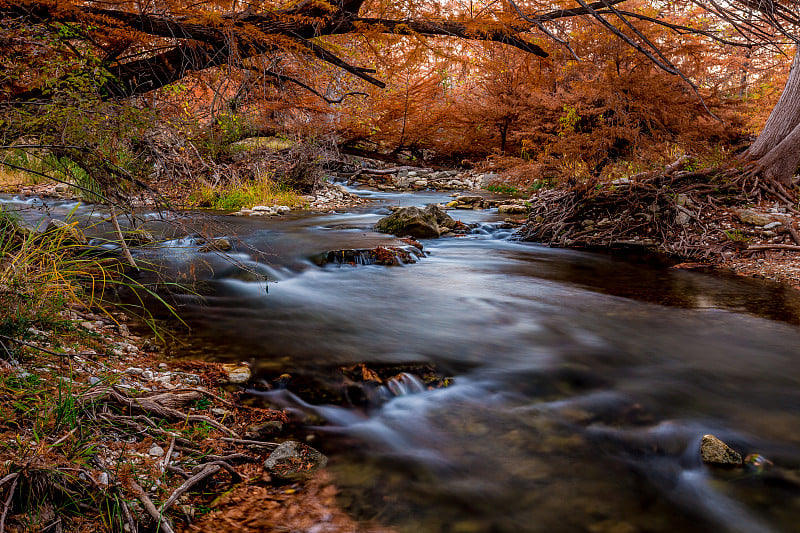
236, 196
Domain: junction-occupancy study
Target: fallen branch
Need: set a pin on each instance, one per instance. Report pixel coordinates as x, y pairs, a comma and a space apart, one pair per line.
758, 247
208, 470
161, 522
125, 251
7, 503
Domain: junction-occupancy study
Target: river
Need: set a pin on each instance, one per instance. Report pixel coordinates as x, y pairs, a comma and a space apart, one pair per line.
582, 383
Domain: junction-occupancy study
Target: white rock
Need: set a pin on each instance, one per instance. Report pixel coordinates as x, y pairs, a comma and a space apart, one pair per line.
283, 209
156, 451
147, 374
134, 371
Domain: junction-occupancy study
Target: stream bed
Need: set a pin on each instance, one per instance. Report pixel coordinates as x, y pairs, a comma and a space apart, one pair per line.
581, 383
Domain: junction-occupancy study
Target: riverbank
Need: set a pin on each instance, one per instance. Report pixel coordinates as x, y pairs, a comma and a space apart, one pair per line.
699, 218
102, 432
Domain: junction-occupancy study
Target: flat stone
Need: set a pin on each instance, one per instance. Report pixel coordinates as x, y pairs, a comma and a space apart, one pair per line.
714, 451
469, 199
512, 209
71, 232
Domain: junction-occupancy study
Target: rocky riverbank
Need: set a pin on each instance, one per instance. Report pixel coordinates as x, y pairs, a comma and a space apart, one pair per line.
112, 430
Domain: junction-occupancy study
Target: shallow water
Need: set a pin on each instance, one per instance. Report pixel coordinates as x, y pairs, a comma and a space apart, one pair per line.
582, 383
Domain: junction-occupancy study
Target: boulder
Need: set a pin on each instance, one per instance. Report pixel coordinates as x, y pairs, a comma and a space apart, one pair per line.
294, 461
420, 223
716, 452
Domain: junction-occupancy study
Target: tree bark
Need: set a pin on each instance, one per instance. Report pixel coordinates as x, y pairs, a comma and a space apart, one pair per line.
776, 151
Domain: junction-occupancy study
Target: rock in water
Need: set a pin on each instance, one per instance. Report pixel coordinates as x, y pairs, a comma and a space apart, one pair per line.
421, 223
294, 461
223, 244
714, 451
237, 373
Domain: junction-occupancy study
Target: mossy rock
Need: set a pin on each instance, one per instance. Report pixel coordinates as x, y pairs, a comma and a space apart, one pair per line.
425, 223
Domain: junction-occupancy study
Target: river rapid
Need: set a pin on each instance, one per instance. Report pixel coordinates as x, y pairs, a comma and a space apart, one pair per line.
582, 383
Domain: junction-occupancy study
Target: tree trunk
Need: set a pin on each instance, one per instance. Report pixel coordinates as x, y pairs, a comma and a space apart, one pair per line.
776, 151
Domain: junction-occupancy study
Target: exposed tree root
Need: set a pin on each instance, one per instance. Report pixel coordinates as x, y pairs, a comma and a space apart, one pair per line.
668, 211
49, 483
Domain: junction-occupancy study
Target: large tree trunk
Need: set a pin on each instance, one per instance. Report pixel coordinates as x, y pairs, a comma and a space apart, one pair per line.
776, 151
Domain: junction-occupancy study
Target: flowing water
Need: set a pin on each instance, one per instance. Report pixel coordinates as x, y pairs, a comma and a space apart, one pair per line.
582, 383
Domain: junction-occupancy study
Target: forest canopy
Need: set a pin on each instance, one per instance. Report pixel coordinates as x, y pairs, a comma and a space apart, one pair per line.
558, 89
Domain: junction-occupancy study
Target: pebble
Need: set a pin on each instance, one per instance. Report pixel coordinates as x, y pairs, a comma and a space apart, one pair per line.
94, 380
134, 371
147, 374
156, 451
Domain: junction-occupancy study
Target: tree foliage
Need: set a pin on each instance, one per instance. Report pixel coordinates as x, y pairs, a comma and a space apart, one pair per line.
573, 83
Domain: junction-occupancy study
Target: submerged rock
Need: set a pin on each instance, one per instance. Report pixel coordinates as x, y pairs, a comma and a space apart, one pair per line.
421, 223
714, 451
381, 255
294, 461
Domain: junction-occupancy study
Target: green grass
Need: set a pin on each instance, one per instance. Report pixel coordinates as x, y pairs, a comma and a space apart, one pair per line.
236, 196
503, 189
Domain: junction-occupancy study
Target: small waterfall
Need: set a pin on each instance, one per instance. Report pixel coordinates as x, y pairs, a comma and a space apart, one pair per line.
404, 384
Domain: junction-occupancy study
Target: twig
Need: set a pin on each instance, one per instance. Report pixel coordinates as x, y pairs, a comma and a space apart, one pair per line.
253, 442
128, 516
208, 470
125, 250
794, 234
168, 455
7, 503
161, 522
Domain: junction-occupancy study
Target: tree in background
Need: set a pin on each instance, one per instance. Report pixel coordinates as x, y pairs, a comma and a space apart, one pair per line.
121, 50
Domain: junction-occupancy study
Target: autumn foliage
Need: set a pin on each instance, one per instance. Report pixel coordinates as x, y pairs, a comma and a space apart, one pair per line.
416, 82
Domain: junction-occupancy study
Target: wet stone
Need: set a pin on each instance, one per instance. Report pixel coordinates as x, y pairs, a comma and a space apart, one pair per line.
714, 451
294, 461
237, 373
